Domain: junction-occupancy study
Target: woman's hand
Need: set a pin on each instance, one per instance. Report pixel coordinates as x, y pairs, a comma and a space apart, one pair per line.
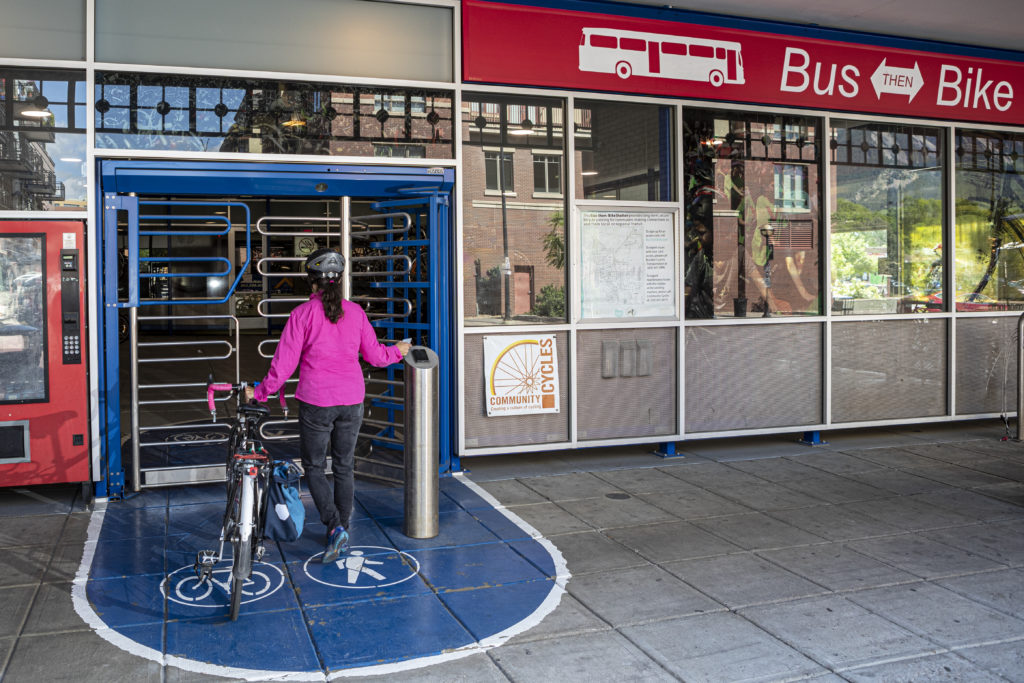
404, 347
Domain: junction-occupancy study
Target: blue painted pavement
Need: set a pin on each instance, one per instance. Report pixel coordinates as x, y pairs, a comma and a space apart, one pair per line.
392, 603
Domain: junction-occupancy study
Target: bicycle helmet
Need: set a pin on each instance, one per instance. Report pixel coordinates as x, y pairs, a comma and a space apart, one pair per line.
325, 263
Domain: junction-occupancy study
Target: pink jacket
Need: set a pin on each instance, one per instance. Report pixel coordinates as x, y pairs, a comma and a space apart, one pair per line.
326, 354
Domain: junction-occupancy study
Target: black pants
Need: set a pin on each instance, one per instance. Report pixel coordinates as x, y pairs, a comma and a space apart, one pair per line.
334, 427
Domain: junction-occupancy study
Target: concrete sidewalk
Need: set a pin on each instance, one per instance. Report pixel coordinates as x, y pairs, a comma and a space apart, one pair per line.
884, 555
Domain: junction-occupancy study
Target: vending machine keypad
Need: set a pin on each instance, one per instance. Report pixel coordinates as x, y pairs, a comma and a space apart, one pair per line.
70, 310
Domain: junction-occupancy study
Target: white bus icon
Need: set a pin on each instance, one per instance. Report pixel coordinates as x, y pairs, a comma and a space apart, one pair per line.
633, 53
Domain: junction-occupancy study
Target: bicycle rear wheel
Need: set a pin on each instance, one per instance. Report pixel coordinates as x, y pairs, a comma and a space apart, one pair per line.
240, 572
241, 544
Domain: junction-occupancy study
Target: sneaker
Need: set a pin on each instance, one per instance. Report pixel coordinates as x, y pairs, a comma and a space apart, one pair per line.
337, 544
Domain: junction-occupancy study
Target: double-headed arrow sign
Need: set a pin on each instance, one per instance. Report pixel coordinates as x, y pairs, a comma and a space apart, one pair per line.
892, 79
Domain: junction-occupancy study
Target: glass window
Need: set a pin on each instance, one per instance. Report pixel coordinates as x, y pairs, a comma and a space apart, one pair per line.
887, 184
22, 318
400, 151
398, 104
547, 174
200, 114
989, 220
623, 151
752, 214
791, 187
514, 245
352, 37
499, 182
42, 140
43, 29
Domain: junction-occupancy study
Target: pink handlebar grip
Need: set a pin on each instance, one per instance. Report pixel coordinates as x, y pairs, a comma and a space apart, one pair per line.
284, 404
210, 388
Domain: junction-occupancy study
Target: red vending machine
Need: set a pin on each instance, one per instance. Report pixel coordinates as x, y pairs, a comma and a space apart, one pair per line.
44, 397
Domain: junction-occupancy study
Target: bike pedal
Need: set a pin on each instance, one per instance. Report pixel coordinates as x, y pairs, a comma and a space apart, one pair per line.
205, 559
260, 550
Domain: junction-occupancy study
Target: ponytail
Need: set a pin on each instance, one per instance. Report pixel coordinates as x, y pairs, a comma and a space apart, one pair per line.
330, 296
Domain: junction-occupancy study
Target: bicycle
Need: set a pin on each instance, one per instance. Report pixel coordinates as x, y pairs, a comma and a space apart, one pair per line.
248, 471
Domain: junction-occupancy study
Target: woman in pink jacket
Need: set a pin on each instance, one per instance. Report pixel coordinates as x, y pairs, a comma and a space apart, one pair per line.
323, 338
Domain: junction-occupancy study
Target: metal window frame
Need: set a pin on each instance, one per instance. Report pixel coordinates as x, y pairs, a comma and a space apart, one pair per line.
458, 87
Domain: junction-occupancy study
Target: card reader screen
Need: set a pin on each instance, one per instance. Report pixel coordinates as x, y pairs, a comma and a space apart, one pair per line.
420, 356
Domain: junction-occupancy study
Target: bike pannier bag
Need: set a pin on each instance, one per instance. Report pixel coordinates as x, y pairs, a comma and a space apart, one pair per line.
286, 514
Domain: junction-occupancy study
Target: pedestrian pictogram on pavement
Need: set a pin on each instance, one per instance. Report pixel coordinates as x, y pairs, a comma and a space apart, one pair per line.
364, 567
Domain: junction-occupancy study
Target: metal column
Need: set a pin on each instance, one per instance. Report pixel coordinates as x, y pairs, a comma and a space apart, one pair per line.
421, 443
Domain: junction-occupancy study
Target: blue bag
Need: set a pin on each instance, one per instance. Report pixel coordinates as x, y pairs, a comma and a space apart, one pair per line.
285, 512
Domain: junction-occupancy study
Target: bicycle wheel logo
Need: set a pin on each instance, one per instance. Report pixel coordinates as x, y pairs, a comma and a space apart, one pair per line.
185, 588
187, 437
522, 375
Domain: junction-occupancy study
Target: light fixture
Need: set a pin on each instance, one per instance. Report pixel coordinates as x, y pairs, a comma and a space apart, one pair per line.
38, 108
525, 128
295, 120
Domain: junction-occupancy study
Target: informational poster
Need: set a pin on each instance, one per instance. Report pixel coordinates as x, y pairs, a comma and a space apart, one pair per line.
628, 264
520, 375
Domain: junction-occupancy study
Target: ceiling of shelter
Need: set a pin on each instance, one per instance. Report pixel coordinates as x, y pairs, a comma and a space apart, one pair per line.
985, 23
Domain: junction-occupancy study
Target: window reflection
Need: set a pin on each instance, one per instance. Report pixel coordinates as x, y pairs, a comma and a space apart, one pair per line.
513, 210
989, 221
193, 113
752, 216
22, 319
887, 212
42, 140
623, 151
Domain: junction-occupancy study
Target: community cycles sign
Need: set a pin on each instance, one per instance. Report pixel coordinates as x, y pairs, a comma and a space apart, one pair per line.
526, 45
521, 375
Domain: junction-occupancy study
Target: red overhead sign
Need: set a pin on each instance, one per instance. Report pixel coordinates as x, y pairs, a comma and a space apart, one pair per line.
524, 45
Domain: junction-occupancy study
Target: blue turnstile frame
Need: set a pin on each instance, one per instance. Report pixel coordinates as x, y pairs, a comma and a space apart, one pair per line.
392, 187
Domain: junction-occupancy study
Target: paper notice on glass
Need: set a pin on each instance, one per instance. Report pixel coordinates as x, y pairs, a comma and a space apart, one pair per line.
628, 264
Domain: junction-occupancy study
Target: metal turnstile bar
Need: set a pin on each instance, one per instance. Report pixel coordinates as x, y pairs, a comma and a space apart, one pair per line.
170, 359
179, 443
325, 220
386, 398
378, 437
135, 361
380, 423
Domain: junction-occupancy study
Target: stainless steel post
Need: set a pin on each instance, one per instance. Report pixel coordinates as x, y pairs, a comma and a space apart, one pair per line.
421, 443
1020, 376
133, 341
346, 246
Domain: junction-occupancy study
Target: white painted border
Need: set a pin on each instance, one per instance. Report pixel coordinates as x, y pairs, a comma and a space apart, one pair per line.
88, 614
